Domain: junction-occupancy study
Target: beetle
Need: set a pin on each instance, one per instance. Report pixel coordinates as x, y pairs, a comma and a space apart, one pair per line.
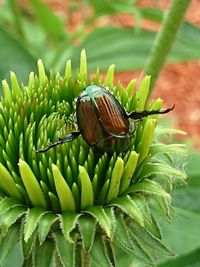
102, 121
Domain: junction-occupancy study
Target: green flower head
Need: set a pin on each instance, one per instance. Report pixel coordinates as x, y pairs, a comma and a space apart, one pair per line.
77, 205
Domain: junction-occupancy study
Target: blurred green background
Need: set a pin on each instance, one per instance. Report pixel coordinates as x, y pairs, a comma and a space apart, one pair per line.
111, 32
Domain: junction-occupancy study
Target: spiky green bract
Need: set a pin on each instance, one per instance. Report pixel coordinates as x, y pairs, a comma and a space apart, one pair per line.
63, 190
31, 184
72, 202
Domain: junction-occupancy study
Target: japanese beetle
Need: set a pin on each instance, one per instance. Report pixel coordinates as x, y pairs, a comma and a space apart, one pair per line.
102, 121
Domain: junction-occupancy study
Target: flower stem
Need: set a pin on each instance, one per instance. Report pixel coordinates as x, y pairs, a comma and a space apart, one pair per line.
164, 39
85, 258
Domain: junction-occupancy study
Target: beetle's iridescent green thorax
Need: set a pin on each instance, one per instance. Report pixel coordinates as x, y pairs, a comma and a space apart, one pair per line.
92, 91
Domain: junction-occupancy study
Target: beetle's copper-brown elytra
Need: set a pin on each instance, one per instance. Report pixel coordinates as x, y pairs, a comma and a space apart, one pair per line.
100, 116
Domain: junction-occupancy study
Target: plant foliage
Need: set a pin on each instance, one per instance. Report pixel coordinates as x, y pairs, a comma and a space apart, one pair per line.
70, 201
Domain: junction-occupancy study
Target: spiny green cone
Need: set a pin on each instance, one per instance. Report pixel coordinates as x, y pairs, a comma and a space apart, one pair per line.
68, 202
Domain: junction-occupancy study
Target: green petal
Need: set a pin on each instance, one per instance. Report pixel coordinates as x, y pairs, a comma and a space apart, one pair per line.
6, 91
83, 66
41, 70
142, 93
115, 179
7, 183
31, 184
68, 70
87, 196
110, 76
129, 170
15, 85
63, 190
146, 140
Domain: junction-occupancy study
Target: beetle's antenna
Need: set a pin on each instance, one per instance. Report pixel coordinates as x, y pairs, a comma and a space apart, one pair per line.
68, 138
141, 114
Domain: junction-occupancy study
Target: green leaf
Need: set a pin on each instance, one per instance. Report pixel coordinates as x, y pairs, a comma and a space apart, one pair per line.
121, 234
7, 203
15, 57
187, 197
48, 219
151, 242
100, 216
7, 183
161, 205
87, 195
143, 252
184, 226
43, 254
170, 148
63, 190
160, 131
10, 217
28, 246
161, 169
152, 14
148, 187
130, 208
128, 49
98, 253
8, 242
191, 259
111, 218
68, 220
153, 229
87, 226
193, 166
32, 219
48, 20
123, 239
143, 205
31, 184
65, 250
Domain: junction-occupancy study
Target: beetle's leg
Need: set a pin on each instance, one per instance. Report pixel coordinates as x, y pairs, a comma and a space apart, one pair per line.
68, 138
141, 114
